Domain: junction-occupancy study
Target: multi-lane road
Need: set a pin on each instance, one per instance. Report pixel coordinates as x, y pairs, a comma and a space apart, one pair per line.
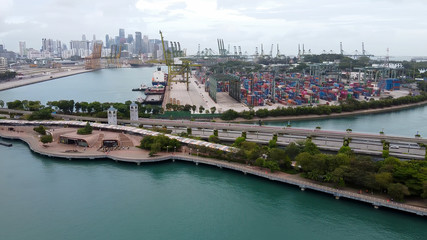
404, 147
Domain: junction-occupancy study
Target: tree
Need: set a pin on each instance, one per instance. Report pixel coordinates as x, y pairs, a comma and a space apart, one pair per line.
346, 150
187, 107
273, 166
46, 139
398, 191
213, 109
292, 150
279, 155
272, 144
43, 114
229, 115
154, 148
194, 108
383, 179
238, 141
424, 194
2, 103
259, 162
201, 109
214, 139
310, 147
168, 106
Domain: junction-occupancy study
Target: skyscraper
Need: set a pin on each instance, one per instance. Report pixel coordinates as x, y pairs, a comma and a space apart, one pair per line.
130, 38
121, 33
83, 37
145, 47
22, 49
138, 43
107, 41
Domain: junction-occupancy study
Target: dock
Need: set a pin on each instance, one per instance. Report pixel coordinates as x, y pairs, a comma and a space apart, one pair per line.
155, 99
6, 144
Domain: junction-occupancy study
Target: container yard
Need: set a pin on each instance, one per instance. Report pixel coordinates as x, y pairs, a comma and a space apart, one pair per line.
269, 90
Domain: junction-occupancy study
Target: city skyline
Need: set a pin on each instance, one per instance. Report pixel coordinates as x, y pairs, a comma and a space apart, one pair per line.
319, 25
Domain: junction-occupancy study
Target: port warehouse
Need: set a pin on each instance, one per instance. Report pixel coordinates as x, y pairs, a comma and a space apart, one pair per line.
258, 89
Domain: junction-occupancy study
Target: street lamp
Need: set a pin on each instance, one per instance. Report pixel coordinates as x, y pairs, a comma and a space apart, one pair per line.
174, 150
197, 152
167, 149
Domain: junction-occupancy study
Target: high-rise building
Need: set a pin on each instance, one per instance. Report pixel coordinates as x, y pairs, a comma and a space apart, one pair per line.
80, 48
83, 37
145, 44
138, 43
3, 64
107, 41
22, 49
121, 33
130, 38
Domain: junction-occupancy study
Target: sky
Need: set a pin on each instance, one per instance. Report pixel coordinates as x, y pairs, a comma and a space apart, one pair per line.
397, 25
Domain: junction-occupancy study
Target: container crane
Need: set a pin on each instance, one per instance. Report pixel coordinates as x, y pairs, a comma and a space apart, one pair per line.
271, 51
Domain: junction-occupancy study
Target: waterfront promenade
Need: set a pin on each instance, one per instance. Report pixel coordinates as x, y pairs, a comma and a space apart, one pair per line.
138, 156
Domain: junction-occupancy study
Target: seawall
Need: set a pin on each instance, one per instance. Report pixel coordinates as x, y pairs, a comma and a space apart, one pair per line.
24, 82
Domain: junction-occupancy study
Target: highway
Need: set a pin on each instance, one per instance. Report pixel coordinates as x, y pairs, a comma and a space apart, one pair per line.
404, 147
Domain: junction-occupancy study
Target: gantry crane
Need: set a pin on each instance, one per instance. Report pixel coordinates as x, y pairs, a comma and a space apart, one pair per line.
177, 66
94, 60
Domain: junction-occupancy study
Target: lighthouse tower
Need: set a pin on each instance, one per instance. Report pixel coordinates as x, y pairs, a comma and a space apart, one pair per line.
134, 112
112, 116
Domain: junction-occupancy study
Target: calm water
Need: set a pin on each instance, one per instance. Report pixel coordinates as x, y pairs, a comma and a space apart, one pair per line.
45, 198
108, 85
400, 123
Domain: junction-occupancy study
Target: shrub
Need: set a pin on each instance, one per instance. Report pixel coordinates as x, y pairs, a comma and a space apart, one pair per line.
40, 129
86, 130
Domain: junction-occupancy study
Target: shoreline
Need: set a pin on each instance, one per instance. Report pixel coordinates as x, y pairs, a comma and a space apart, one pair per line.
142, 157
15, 83
333, 115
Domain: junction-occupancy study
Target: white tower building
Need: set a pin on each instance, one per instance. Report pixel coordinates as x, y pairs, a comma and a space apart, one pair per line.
112, 116
134, 112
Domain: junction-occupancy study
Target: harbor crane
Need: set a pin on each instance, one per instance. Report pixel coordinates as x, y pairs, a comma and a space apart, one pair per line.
271, 51
94, 60
178, 68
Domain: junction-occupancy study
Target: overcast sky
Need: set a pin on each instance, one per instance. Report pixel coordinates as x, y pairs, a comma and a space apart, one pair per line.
399, 25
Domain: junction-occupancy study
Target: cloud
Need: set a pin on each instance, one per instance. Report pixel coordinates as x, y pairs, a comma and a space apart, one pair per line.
319, 24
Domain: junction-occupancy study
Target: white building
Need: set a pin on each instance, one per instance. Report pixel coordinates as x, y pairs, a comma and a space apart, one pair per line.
112, 116
22, 49
134, 112
3, 64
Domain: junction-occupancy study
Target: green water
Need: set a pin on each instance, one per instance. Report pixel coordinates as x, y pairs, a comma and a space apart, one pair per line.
107, 85
399, 123
47, 198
